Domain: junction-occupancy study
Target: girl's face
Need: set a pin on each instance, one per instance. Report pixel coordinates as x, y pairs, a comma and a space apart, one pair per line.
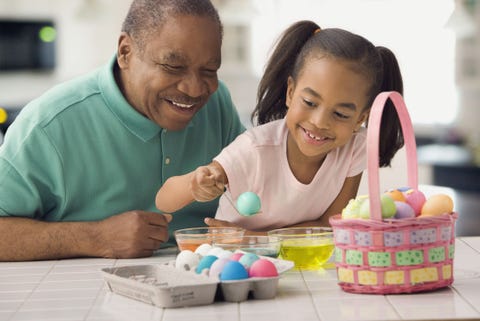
325, 107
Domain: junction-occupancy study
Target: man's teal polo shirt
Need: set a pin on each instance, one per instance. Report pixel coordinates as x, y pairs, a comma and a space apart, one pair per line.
80, 152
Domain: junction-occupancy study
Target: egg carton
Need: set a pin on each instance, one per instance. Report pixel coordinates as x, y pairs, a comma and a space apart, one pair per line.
166, 286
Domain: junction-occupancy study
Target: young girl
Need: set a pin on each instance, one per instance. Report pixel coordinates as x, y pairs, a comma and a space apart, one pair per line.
306, 158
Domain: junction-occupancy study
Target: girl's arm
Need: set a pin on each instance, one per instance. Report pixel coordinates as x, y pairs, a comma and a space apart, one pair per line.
203, 184
348, 191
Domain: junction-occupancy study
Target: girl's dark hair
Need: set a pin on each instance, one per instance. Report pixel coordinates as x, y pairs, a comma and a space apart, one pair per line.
146, 16
305, 40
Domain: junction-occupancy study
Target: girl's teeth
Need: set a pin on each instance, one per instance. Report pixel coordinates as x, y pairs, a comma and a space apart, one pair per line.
313, 137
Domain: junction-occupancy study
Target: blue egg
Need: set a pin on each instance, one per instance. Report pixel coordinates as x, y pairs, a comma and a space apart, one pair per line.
248, 204
248, 258
205, 263
233, 270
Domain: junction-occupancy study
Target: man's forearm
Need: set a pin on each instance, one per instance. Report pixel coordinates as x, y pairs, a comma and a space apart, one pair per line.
23, 239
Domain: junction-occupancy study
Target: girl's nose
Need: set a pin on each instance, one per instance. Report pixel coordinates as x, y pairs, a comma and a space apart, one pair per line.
321, 118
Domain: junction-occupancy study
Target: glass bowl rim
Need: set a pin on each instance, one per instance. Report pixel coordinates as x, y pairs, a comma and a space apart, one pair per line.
294, 231
226, 229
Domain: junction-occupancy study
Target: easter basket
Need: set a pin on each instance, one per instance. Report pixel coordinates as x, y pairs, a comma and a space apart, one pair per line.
382, 256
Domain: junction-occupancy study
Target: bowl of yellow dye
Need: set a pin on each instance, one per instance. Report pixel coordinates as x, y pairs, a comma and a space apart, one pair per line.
309, 248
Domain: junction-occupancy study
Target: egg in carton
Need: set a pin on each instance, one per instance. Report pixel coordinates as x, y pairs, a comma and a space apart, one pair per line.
241, 274
196, 279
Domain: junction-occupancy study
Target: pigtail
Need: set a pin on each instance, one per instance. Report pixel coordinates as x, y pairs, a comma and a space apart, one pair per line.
391, 139
272, 89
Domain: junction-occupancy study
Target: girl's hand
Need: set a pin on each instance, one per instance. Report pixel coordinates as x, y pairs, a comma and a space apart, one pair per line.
208, 182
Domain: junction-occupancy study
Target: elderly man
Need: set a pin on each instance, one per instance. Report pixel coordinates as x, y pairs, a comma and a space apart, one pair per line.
80, 166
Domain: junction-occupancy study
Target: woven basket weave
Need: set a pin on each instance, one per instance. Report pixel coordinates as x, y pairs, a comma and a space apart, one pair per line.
393, 255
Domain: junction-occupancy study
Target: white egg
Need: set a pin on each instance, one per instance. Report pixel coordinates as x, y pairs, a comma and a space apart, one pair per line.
187, 260
203, 249
215, 251
225, 254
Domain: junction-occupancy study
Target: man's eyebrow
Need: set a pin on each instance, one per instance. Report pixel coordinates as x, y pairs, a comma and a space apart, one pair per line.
312, 92
173, 57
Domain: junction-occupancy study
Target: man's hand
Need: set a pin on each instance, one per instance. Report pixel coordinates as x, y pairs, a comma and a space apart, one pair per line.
132, 234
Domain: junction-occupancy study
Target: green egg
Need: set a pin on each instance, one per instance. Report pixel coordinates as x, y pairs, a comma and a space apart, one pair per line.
248, 204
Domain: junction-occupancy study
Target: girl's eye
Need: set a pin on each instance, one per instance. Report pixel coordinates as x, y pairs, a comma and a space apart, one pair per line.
341, 115
308, 103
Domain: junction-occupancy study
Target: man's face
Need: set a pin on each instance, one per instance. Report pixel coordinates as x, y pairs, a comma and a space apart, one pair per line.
175, 74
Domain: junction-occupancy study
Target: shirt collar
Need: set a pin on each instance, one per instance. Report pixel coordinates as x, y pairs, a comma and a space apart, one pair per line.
136, 123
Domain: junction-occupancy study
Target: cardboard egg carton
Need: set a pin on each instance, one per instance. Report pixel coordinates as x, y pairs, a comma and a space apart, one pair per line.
166, 286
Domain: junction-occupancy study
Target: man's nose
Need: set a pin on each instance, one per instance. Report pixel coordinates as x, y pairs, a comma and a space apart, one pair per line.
193, 85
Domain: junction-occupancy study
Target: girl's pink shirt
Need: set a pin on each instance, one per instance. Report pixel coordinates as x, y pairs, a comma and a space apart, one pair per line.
257, 161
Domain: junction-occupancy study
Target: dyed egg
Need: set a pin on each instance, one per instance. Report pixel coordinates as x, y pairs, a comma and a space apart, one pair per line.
403, 210
352, 210
387, 207
415, 199
263, 268
205, 263
233, 270
224, 254
216, 251
236, 256
203, 249
396, 195
437, 205
248, 204
217, 267
186, 260
248, 258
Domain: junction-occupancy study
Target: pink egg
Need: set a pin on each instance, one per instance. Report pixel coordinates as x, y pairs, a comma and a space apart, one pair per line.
236, 256
415, 199
403, 210
263, 268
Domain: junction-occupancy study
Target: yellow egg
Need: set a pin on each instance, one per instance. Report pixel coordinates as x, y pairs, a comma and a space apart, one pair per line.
396, 195
437, 204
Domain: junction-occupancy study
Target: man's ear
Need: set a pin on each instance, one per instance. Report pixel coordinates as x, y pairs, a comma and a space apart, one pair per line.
124, 51
290, 90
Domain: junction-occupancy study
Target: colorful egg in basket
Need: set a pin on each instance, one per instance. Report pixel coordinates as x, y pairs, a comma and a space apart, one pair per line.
409, 251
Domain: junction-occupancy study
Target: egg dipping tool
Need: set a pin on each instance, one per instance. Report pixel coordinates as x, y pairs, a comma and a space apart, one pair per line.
247, 204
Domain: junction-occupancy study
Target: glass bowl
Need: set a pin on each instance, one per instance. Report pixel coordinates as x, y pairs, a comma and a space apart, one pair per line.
191, 238
257, 244
308, 247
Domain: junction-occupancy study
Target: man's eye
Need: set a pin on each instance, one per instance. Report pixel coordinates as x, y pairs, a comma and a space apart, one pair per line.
171, 67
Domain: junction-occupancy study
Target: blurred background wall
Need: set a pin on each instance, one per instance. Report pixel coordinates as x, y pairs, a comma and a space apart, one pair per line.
437, 43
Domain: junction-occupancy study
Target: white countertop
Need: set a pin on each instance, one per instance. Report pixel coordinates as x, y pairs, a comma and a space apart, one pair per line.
75, 290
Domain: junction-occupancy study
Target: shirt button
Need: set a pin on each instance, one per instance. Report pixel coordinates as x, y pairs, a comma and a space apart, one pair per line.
167, 160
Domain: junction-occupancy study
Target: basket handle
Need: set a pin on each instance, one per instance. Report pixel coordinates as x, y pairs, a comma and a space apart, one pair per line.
373, 135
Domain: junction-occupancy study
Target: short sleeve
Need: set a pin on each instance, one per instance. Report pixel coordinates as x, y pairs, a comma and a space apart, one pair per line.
239, 160
28, 169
